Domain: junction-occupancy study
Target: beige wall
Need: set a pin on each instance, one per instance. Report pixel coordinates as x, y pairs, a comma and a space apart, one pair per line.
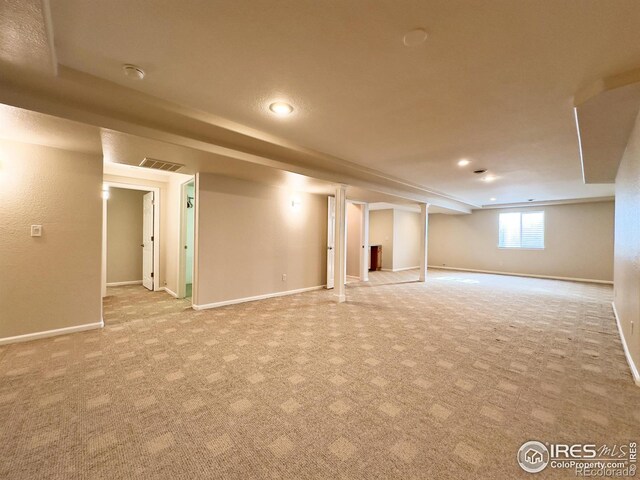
53, 281
406, 239
578, 242
354, 227
248, 236
627, 245
381, 233
398, 231
124, 235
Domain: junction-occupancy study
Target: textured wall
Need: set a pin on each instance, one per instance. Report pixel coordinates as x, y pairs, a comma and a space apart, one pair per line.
578, 242
406, 239
53, 281
124, 235
381, 233
248, 236
627, 245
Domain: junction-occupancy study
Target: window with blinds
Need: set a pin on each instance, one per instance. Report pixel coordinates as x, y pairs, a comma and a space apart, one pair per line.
521, 230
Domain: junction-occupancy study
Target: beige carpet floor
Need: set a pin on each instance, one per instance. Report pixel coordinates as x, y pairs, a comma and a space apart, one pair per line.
407, 380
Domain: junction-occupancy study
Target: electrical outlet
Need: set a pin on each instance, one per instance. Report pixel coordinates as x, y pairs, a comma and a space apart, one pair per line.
36, 230
284, 277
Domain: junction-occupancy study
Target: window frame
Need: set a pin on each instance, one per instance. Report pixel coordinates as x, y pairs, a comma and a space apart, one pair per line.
544, 231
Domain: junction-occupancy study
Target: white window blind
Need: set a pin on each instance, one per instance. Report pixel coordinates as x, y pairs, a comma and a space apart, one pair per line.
521, 230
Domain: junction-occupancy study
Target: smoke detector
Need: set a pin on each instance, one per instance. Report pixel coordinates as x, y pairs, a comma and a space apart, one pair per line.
133, 71
415, 37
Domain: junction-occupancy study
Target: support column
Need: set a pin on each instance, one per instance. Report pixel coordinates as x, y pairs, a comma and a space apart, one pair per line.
340, 264
424, 240
364, 242
105, 193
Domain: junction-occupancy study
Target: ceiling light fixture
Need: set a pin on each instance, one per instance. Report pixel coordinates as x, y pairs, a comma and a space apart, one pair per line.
133, 71
493, 199
281, 109
415, 37
463, 163
488, 178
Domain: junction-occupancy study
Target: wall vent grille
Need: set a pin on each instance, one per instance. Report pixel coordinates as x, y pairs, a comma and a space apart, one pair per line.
160, 165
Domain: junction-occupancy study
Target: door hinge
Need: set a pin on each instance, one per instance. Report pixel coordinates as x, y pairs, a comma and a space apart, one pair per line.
151, 274
152, 238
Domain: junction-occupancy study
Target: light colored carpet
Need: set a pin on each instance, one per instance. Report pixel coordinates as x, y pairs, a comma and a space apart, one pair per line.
406, 380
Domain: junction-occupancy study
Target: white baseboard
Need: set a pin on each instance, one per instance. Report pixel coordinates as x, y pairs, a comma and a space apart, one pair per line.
627, 354
257, 297
405, 268
399, 269
120, 284
51, 333
170, 292
513, 274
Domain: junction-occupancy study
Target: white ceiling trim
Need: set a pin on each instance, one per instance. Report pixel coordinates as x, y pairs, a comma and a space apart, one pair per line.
605, 114
541, 203
48, 26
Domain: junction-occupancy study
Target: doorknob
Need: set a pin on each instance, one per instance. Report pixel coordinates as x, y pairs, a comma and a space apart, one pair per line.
142, 244
330, 248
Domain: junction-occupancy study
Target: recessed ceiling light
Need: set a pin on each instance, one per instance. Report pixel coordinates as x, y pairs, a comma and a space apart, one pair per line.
488, 178
493, 199
133, 71
281, 109
414, 37
463, 163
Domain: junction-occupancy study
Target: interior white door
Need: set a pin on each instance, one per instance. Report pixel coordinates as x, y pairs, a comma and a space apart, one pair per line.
331, 239
147, 241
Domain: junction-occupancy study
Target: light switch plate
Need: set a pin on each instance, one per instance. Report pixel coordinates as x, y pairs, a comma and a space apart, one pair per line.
36, 230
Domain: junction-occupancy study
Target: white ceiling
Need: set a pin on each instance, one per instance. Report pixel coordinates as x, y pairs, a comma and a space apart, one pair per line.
494, 82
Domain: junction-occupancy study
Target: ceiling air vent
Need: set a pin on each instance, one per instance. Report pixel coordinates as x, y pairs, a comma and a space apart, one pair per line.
160, 165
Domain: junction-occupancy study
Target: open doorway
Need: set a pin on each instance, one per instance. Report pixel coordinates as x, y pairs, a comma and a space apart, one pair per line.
356, 241
130, 252
187, 239
354, 238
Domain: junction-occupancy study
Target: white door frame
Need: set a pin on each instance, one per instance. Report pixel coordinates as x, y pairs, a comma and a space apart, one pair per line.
156, 232
182, 257
364, 239
148, 275
331, 239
